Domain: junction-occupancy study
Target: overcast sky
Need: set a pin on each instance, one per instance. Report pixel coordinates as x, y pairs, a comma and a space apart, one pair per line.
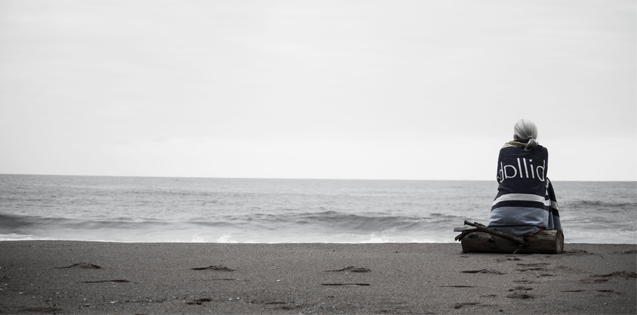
315, 89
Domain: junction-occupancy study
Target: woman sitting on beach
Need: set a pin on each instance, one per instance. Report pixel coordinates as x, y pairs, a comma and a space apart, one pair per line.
525, 203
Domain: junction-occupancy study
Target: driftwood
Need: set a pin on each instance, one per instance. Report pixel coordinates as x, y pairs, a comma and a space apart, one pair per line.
480, 239
482, 228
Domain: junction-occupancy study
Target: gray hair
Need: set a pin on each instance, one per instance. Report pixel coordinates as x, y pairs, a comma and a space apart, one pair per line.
526, 130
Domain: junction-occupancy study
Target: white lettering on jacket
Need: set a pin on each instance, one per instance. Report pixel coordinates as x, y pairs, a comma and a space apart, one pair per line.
523, 169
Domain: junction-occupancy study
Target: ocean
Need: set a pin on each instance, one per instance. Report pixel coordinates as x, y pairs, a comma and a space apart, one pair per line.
223, 210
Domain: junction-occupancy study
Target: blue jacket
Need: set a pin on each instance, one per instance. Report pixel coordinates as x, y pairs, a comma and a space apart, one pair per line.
525, 202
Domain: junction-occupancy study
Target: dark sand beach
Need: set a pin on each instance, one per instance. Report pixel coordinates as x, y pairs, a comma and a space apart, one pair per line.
166, 278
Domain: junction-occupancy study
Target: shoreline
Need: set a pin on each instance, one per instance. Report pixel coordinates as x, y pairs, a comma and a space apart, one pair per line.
77, 277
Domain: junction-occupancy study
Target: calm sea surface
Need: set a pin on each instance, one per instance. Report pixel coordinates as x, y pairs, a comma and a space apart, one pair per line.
138, 209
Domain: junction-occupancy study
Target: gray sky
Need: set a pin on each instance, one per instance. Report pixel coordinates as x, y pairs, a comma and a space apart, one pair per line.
315, 89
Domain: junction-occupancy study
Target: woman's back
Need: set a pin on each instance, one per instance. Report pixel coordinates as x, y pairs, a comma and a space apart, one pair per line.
523, 204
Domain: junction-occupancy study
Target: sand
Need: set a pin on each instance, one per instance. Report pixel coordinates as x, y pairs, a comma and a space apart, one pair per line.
157, 278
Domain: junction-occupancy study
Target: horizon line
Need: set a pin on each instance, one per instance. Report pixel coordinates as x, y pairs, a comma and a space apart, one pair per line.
293, 178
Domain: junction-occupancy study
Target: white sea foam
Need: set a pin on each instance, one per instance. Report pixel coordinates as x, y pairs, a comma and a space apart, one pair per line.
225, 238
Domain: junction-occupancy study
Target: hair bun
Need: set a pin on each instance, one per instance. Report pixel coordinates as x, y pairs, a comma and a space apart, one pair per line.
526, 129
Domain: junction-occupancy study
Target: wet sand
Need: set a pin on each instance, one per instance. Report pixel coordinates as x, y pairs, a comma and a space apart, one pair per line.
166, 278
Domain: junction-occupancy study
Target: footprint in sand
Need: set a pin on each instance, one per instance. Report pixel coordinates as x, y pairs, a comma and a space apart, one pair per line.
459, 305
518, 295
521, 289
619, 274
604, 278
508, 259
199, 301
214, 267
607, 291
107, 281
351, 269
489, 271
81, 265
533, 267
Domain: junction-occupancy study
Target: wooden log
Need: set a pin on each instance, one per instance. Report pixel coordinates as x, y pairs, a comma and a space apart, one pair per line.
482, 228
544, 242
464, 233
